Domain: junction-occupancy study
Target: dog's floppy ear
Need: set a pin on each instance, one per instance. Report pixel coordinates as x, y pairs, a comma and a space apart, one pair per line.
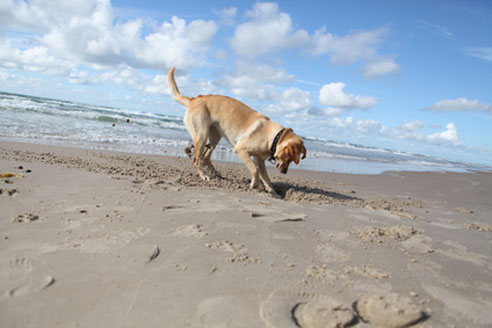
293, 153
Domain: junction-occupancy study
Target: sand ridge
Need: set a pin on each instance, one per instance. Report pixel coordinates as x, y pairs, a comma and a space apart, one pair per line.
181, 174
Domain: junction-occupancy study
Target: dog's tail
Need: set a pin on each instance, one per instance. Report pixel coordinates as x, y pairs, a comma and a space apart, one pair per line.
174, 89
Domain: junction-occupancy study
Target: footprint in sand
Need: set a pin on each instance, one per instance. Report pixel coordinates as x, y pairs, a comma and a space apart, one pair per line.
330, 253
474, 310
191, 230
8, 192
480, 226
28, 217
321, 273
100, 240
398, 233
222, 311
14, 271
290, 309
239, 252
35, 284
388, 311
366, 271
21, 263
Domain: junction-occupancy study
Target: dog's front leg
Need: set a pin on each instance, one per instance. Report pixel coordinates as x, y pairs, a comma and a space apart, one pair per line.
253, 169
266, 180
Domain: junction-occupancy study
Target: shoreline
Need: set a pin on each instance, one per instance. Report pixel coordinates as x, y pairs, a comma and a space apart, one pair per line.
145, 237
335, 164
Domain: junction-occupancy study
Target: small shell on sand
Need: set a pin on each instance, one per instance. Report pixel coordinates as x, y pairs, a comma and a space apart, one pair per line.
155, 253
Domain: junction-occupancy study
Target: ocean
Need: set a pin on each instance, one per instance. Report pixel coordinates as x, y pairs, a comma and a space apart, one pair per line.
58, 122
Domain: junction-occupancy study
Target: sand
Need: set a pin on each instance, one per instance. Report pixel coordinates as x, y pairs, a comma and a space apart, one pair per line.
103, 239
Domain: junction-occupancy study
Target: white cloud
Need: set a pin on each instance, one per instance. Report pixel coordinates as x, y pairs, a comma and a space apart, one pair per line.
176, 43
12, 82
354, 47
363, 128
34, 59
410, 130
123, 75
84, 32
265, 73
330, 111
339, 122
381, 66
411, 126
459, 105
227, 15
221, 54
438, 30
347, 49
267, 30
480, 52
157, 86
247, 86
291, 100
367, 126
255, 81
333, 95
450, 135
39, 16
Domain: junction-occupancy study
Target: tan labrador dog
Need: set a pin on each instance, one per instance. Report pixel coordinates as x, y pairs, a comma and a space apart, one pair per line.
253, 135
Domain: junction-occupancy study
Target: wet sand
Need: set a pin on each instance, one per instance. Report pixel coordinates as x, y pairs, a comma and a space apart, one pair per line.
104, 239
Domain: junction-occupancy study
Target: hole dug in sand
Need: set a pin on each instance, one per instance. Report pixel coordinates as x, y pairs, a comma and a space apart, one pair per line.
284, 309
307, 310
323, 313
388, 311
309, 193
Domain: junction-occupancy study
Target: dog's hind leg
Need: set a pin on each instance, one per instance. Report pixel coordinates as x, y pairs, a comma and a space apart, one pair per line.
189, 150
213, 139
197, 127
199, 145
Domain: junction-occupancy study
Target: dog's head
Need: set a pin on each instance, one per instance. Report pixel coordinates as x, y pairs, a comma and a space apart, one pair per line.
289, 149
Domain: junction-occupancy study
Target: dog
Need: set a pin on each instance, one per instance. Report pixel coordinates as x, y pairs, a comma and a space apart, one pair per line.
254, 136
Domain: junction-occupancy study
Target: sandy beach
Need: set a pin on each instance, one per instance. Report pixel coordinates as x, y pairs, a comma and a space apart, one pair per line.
106, 239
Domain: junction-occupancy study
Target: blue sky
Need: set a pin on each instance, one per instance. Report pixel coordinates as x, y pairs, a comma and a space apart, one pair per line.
414, 76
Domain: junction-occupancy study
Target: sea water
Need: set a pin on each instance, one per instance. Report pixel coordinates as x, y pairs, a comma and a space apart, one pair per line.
57, 122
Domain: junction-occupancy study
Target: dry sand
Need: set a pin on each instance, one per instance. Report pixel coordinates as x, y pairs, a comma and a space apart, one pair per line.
101, 239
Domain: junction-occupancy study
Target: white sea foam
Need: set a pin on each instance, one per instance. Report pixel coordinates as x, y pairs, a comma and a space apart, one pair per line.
54, 121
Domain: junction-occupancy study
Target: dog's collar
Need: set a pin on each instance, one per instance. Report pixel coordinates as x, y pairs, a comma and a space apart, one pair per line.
273, 148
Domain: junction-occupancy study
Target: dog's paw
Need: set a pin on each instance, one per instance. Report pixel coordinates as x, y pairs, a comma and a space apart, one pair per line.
253, 186
205, 177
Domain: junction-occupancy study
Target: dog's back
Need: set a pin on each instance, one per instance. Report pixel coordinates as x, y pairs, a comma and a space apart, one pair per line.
232, 118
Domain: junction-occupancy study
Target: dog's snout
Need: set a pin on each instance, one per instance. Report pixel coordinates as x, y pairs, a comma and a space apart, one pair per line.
284, 171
